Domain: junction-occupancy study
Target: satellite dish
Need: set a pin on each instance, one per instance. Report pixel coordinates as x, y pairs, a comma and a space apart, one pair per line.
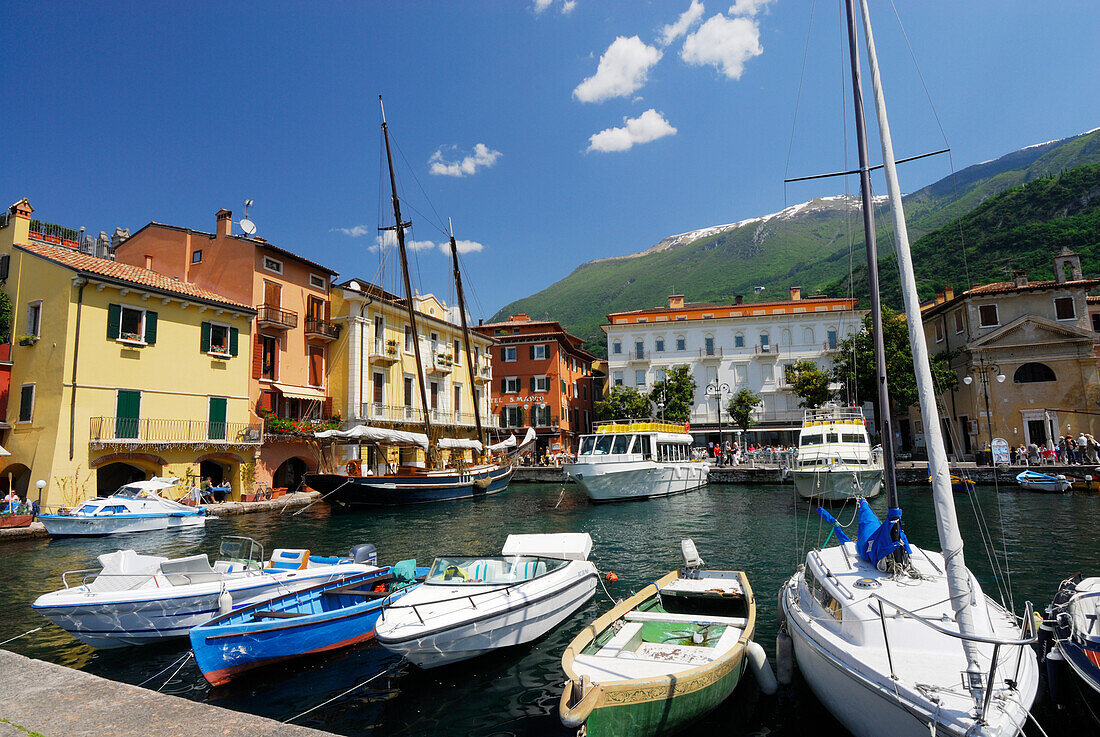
248, 227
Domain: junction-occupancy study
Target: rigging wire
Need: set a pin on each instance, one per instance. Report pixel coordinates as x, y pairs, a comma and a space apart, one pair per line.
798, 99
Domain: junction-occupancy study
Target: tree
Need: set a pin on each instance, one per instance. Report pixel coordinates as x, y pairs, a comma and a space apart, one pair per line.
741, 407
6, 312
809, 382
623, 403
677, 393
854, 366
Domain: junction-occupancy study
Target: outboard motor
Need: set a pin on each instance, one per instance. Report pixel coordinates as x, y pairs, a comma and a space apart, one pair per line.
364, 553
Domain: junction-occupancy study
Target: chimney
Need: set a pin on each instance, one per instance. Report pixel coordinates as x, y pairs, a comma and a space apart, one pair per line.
676, 302
1019, 276
21, 209
521, 317
939, 298
796, 294
225, 222
740, 298
148, 262
949, 293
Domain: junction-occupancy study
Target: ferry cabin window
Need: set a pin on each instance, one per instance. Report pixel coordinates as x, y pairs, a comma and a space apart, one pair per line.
620, 445
642, 446
603, 444
831, 437
811, 440
587, 444
851, 438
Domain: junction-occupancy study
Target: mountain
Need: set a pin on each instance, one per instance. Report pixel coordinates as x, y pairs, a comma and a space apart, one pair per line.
805, 245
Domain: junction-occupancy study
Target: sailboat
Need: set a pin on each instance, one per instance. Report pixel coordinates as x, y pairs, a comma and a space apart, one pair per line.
435, 480
894, 639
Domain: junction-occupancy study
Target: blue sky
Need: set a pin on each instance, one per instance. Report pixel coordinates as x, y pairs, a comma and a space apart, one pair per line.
122, 114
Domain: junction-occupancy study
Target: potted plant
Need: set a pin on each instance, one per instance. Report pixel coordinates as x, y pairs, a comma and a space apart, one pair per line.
28, 339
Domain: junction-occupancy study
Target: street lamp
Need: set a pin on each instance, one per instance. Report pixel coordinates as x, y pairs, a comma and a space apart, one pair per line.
718, 391
984, 372
41, 485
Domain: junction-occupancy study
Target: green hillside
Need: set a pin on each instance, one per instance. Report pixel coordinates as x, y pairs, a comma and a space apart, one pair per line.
806, 245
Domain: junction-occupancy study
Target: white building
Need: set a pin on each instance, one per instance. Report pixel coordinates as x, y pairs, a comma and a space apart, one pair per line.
743, 345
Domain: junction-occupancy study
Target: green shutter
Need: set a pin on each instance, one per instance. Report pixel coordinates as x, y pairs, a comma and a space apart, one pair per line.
114, 321
503, 386
216, 425
204, 341
127, 413
531, 352
532, 384
150, 327
233, 341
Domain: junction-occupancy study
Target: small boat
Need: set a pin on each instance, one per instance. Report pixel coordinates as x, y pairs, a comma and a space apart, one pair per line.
140, 599
1086, 483
328, 616
835, 461
662, 658
136, 507
1073, 624
469, 605
959, 485
1035, 481
637, 460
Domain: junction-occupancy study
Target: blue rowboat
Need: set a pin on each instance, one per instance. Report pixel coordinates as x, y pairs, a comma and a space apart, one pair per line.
329, 616
1036, 481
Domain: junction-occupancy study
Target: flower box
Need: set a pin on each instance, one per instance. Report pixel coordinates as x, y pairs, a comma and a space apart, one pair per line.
16, 520
250, 497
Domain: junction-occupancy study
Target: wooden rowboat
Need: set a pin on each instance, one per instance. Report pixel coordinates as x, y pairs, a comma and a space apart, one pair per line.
661, 659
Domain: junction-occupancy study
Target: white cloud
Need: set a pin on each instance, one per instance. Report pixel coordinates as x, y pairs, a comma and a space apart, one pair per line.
388, 239
686, 20
725, 43
419, 245
481, 157
567, 6
355, 231
748, 7
541, 5
622, 70
385, 239
649, 126
462, 247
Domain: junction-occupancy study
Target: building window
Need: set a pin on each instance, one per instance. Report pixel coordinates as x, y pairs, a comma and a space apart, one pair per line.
34, 318
26, 403
215, 418
508, 353
379, 388
741, 373
831, 337
318, 282
316, 366
987, 316
681, 344
538, 352
196, 256
939, 331
765, 340
540, 383
661, 375
659, 345
131, 324
708, 345
408, 391
127, 413
639, 377
219, 339
456, 358
1096, 322
269, 357
739, 341
1064, 309
616, 347
510, 385
639, 349
959, 321
1031, 373
273, 265
617, 378
408, 339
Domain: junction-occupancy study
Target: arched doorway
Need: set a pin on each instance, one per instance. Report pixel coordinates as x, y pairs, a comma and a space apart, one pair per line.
111, 477
213, 470
289, 474
18, 476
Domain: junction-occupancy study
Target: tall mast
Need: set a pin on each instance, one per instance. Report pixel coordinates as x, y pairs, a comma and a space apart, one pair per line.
399, 227
885, 429
465, 330
958, 578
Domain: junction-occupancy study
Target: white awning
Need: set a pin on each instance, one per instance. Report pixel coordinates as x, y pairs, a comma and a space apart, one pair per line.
300, 392
377, 435
459, 444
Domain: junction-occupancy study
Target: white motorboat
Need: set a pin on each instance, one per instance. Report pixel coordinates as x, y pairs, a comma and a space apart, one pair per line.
895, 640
140, 599
469, 605
835, 460
637, 460
136, 507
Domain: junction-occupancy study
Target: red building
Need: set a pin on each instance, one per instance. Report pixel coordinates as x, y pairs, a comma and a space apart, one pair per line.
542, 378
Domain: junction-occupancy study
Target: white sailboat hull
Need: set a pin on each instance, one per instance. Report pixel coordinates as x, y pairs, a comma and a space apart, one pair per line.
608, 482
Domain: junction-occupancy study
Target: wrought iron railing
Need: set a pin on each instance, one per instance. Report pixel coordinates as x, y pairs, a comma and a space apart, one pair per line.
323, 328
713, 352
378, 412
128, 430
272, 315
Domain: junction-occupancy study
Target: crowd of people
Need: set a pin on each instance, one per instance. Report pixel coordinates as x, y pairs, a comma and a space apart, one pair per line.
1069, 451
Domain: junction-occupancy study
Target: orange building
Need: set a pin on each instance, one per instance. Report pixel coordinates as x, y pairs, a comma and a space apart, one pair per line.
292, 328
542, 378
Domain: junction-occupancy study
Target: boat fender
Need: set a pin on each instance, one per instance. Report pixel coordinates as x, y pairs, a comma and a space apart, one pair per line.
781, 613
758, 660
611, 576
1046, 635
483, 483
784, 658
225, 602
1058, 677
577, 701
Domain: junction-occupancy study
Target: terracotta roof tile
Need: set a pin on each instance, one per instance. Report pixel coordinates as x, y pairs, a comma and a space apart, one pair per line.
135, 275
1008, 287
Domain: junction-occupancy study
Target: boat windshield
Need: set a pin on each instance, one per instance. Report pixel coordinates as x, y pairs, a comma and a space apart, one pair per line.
87, 509
490, 570
811, 440
603, 445
588, 442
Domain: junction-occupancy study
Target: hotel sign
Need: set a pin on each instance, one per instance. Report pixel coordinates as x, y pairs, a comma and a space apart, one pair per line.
520, 399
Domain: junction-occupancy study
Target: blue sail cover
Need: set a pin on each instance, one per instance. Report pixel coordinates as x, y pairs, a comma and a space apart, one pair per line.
873, 538
840, 535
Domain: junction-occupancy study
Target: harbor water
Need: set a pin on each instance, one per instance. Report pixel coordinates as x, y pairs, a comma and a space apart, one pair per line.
762, 530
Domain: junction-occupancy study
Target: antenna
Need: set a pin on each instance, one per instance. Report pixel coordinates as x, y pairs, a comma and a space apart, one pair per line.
247, 225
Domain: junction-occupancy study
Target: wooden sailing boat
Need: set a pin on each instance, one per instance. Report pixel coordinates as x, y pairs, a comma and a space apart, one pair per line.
891, 638
414, 484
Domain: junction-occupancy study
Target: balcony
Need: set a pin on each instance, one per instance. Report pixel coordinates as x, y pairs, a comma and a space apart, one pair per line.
828, 347
441, 363
321, 329
269, 316
766, 350
637, 356
378, 413
384, 352
484, 372
126, 431
710, 354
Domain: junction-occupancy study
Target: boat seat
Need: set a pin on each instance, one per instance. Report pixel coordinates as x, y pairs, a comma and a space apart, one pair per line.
621, 639
126, 569
486, 570
704, 619
289, 559
268, 614
192, 569
356, 589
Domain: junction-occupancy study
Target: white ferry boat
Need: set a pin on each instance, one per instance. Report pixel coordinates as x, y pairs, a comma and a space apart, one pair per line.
637, 460
835, 459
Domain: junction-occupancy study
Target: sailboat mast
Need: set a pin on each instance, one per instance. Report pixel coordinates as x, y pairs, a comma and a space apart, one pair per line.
465, 330
958, 578
399, 227
885, 428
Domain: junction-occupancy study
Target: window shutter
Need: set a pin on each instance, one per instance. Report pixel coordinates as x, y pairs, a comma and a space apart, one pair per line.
326, 411
150, 327
114, 321
204, 340
257, 357
503, 385
531, 350
532, 383
233, 334
519, 416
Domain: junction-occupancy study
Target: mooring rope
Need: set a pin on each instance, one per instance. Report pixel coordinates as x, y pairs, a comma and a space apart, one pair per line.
325, 496
389, 668
173, 663
28, 632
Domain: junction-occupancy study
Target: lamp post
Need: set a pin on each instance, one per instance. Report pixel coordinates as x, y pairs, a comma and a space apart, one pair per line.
983, 371
718, 391
41, 485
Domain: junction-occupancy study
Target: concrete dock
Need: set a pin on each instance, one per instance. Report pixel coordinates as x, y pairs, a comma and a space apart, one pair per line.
55, 701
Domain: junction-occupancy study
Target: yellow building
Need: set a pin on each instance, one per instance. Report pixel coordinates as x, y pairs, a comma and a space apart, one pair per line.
372, 367
118, 373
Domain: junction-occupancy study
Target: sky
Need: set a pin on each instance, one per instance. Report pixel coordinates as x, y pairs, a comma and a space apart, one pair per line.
551, 132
